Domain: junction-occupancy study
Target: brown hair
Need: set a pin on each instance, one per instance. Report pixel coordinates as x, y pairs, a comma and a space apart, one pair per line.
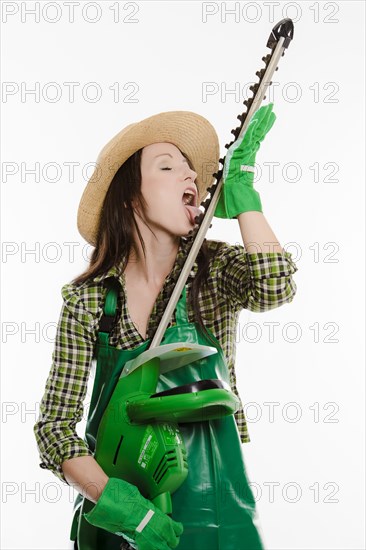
115, 236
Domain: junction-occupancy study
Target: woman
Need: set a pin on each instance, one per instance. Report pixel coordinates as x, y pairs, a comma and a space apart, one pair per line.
138, 211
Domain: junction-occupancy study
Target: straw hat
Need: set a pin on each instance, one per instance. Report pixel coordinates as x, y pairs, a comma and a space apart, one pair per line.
188, 131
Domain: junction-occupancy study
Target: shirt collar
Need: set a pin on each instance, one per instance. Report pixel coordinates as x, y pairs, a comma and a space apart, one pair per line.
112, 272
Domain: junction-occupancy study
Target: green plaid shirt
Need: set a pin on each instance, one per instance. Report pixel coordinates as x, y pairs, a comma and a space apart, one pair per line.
237, 280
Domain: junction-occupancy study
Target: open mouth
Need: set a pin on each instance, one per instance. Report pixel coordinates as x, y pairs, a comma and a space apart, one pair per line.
189, 198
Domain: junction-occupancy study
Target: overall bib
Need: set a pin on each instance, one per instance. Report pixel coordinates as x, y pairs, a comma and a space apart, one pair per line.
215, 503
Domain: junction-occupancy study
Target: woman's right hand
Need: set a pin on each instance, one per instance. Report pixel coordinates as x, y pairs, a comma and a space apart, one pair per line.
161, 533
122, 510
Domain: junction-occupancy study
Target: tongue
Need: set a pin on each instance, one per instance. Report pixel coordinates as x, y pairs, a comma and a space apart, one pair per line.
193, 211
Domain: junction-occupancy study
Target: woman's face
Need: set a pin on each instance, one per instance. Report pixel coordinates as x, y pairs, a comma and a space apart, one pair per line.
166, 176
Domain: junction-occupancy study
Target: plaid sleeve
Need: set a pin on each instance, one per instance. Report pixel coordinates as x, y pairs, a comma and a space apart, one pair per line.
61, 407
258, 281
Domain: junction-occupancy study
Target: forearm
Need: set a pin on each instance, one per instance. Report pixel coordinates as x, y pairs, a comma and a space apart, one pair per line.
85, 474
256, 233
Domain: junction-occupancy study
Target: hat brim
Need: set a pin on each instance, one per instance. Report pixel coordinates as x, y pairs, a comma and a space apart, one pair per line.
190, 132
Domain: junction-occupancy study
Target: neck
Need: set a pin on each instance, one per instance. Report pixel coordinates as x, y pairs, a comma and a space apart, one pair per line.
161, 253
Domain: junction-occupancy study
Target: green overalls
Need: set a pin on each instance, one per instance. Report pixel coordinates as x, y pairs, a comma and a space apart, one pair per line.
215, 503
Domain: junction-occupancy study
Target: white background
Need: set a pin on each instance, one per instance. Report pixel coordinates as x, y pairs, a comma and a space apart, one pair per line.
314, 367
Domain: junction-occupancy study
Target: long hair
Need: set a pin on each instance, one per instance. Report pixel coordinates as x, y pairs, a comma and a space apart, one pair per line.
115, 240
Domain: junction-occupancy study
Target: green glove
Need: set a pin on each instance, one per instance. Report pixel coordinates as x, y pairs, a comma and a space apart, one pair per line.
122, 510
237, 193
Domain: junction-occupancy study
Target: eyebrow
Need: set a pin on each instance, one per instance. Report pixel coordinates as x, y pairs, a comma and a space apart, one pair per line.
162, 154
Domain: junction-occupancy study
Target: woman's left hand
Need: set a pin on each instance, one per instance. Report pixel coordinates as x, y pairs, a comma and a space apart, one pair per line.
237, 193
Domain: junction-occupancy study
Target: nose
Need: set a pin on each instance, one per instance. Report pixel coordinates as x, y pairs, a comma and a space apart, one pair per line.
189, 173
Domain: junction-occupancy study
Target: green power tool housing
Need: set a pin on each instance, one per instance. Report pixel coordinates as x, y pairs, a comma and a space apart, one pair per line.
138, 437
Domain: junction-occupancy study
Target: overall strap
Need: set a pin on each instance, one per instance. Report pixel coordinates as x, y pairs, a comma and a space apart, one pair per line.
109, 316
181, 313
